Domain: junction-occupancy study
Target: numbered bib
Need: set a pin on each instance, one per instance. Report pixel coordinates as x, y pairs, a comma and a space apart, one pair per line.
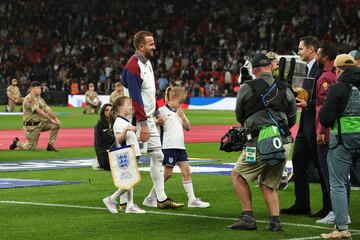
270, 145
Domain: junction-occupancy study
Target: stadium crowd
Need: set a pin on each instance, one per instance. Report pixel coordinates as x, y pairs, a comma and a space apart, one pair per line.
201, 44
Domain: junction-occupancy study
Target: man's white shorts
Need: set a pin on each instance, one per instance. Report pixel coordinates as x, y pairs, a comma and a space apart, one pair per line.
154, 140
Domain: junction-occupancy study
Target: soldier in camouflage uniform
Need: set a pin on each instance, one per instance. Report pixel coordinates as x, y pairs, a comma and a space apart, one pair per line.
92, 101
119, 92
13, 94
37, 117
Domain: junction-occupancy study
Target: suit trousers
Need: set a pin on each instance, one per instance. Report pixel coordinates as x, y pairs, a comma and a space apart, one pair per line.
305, 151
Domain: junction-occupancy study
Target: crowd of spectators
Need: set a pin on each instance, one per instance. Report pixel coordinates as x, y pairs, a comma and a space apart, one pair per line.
200, 43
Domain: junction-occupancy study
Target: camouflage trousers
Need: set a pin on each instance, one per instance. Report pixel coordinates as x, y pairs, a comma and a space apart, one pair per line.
90, 109
32, 134
11, 105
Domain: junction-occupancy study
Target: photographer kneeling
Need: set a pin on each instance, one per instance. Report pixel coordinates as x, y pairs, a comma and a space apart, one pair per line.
267, 109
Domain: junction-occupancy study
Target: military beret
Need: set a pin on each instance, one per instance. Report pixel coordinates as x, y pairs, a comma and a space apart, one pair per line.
35, 84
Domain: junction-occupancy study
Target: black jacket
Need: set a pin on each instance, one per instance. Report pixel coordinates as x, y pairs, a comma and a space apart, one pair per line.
337, 97
307, 118
104, 138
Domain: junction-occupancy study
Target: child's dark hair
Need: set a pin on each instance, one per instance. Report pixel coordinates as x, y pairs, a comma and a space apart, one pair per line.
120, 101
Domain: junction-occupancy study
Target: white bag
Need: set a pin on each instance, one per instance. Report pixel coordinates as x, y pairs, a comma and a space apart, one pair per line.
124, 168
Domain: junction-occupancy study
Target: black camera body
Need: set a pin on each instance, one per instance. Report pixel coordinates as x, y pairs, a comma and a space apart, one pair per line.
234, 140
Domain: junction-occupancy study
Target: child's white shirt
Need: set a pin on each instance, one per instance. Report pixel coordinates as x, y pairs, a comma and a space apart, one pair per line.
119, 126
172, 132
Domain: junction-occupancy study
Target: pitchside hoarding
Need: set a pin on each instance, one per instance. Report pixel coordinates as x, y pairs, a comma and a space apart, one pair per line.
204, 103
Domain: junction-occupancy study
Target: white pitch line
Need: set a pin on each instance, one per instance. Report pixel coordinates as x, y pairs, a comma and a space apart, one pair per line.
234, 219
319, 237
357, 232
52, 205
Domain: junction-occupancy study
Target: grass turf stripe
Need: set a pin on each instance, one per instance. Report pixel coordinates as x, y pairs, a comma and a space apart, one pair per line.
165, 213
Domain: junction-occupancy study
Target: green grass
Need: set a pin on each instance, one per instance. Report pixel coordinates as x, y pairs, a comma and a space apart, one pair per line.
74, 118
45, 222
42, 154
196, 151
19, 221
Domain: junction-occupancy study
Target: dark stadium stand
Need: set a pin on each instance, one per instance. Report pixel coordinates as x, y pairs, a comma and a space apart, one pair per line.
200, 44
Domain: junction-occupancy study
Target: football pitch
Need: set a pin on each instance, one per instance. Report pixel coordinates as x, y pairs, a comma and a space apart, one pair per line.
76, 211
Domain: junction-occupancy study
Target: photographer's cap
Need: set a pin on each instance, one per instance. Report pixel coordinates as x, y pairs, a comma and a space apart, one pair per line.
343, 60
260, 60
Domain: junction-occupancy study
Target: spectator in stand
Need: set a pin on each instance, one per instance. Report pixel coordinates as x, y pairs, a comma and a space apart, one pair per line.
81, 46
74, 87
162, 83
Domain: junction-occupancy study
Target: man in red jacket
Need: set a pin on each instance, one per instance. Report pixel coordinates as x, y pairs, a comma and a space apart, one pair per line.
325, 57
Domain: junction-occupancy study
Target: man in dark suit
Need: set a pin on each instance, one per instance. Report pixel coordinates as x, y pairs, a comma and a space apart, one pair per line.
305, 148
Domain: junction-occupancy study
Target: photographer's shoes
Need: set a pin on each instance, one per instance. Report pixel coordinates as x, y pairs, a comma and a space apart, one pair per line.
245, 222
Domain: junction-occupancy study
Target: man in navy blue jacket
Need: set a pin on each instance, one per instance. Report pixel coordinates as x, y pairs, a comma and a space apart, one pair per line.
305, 148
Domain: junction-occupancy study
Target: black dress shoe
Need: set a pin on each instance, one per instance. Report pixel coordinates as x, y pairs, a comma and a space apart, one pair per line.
320, 214
51, 148
295, 210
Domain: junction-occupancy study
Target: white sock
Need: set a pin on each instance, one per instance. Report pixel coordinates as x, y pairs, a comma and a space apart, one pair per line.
152, 193
130, 197
157, 174
123, 198
189, 190
116, 194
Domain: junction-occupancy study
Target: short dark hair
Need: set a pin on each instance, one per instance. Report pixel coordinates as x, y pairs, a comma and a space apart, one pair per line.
311, 41
139, 38
329, 51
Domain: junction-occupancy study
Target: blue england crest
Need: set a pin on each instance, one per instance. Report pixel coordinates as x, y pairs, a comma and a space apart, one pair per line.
122, 160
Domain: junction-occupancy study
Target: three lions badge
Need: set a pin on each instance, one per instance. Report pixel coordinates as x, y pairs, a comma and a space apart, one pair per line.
124, 168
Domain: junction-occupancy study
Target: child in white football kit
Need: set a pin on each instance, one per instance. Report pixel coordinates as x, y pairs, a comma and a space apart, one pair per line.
173, 145
125, 135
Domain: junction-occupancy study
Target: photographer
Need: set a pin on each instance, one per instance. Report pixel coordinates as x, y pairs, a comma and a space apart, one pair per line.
261, 109
341, 112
